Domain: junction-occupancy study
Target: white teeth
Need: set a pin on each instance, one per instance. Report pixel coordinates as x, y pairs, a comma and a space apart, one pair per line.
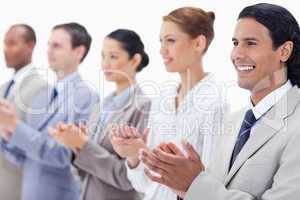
245, 68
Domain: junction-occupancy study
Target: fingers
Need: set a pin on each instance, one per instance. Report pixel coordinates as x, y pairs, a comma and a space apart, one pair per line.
121, 141
134, 133
82, 127
192, 154
175, 150
4, 110
4, 103
61, 126
153, 163
171, 159
163, 146
145, 135
7, 109
164, 180
128, 132
113, 130
122, 131
158, 179
53, 132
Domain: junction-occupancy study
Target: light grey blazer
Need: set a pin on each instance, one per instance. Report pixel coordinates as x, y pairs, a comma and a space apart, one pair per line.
105, 176
21, 97
268, 167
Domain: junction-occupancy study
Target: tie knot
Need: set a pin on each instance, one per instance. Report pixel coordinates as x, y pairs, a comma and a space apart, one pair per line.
54, 94
249, 118
11, 82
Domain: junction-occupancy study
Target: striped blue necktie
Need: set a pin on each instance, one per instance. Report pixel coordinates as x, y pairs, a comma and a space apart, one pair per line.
248, 122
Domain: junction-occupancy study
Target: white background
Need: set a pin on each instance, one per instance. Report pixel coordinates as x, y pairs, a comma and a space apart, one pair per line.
144, 17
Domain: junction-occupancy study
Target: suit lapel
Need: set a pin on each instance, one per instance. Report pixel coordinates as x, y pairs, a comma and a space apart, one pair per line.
226, 142
116, 117
60, 104
17, 86
113, 118
271, 123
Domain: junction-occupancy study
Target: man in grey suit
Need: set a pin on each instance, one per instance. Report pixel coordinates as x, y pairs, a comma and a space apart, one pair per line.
263, 162
46, 164
19, 43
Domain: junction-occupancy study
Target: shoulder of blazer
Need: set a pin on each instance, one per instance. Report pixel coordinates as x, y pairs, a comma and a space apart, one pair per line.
137, 100
33, 80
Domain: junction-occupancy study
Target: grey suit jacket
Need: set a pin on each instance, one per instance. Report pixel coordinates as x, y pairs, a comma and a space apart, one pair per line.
21, 97
105, 172
267, 167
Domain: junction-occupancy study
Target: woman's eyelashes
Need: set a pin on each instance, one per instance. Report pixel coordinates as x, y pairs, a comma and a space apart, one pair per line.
167, 40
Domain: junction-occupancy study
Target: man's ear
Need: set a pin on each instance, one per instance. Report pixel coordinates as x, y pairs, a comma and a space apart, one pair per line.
80, 51
286, 50
31, 45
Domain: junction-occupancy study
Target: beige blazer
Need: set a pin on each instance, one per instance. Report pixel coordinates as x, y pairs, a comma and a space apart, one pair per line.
21, 97
105, 175
268, 165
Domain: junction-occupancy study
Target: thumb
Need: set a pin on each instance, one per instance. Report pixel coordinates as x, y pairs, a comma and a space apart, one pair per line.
192, 154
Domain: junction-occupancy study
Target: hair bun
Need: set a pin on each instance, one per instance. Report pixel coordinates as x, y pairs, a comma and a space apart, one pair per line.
144, 61
211, 15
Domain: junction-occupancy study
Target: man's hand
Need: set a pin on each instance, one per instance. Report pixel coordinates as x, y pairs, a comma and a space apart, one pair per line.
70, 135
176, 170
5, 134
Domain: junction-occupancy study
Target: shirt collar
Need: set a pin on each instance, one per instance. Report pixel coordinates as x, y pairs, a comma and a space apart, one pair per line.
270, 100
61, 84
22, 73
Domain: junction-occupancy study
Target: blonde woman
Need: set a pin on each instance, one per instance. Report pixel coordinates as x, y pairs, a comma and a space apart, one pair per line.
189, 111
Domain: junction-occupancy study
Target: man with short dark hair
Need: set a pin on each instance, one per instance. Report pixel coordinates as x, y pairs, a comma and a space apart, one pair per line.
47, 164
19, 43
262, 161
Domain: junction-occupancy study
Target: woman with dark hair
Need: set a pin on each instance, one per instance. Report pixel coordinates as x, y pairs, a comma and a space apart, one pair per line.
103, 170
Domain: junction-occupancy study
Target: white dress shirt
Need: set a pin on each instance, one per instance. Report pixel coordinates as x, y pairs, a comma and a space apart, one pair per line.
270, 100
195, 120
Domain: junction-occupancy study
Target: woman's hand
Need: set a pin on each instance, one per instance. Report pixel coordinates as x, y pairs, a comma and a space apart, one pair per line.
70, 135
127, 140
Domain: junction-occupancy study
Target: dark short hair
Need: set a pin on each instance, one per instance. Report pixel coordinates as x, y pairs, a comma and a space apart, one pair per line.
29, 35
282, 27
79, 36
132, 44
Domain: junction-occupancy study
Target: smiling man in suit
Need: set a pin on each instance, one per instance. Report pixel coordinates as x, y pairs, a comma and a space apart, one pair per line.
46, 164
19, 43
262, 162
